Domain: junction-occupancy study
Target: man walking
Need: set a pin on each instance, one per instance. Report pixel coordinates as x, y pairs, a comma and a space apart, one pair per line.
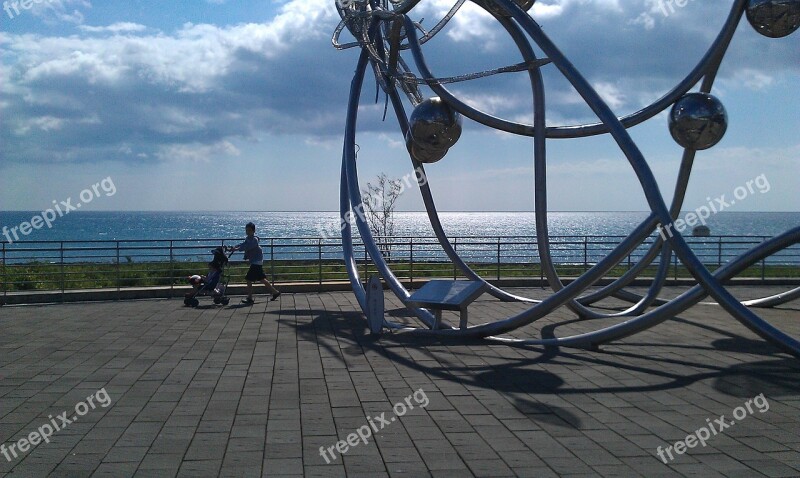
253, 253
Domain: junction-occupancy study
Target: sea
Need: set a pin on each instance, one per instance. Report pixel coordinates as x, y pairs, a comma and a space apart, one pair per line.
92, 226
577, 237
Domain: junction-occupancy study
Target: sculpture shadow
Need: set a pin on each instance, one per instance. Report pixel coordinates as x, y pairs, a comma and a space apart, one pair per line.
776, 377
508, 379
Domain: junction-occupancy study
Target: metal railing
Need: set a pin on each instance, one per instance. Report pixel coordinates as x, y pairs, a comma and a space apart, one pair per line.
120, 264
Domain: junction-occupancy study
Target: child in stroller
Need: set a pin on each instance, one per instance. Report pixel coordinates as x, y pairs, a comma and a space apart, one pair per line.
213, 284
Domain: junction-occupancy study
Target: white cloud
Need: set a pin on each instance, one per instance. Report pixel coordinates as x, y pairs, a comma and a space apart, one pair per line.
610, 94
66, 11
192, 59
121, 27
545, 10
206, 84
194, 153
391, 142
491, 103
753, 79
644, 19
43, 123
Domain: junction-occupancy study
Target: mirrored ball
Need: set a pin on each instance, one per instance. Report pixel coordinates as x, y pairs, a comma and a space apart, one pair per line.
774, 18
698, 121
434, 127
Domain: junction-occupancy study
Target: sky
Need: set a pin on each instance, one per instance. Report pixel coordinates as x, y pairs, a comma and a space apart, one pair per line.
237, 105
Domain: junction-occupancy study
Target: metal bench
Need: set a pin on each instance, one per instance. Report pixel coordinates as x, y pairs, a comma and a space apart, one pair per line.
439, 295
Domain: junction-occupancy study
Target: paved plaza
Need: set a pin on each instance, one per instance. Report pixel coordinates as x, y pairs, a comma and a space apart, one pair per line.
151, 388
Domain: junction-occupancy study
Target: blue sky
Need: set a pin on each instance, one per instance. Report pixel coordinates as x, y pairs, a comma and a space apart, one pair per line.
222, 105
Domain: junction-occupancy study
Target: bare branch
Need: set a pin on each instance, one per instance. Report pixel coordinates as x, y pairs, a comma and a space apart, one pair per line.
380, 200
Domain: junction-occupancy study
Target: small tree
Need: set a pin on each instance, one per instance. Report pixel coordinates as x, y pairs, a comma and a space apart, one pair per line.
379, 202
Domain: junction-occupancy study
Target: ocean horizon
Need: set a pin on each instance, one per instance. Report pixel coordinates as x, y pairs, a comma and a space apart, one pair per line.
154, 225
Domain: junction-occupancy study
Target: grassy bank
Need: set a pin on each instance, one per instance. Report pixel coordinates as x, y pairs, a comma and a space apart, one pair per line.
43, 276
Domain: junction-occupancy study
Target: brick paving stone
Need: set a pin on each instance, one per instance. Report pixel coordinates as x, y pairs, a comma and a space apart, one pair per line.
131, 454
115, 470
283, 467
256, 391
191, 469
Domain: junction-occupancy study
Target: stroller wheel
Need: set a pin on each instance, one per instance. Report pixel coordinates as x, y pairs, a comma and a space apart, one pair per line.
194, 302
225, 301
217, 300
187, 301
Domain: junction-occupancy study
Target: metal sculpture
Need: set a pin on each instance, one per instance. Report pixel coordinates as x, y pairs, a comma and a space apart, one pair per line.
384, 31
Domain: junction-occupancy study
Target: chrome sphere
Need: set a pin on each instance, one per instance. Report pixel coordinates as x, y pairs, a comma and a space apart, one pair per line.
774, 18
698, 121
434, 127
424, 155
498, 9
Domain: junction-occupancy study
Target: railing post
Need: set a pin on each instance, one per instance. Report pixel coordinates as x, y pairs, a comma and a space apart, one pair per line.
498, 258
541, 269
629, 260
5, 277
61, 256
455, 249
319, 256
585, 253
411, 261
119, 280
719, 252
675, 256
272, 259
171, 269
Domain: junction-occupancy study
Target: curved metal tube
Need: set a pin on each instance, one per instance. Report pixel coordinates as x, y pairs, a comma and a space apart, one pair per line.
681, 185
559, 298
430, 205
679, 304
347, 243
650, 186
578, 131
670, 309
774, 300
708, 283
678, 199
543, 242
354, 196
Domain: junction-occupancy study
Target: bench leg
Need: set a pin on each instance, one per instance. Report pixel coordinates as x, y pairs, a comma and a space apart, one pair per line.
463, 321
437, 314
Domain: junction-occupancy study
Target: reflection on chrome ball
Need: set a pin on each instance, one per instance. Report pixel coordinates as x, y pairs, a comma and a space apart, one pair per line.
698, 121
424, 155
774, 18
434, 127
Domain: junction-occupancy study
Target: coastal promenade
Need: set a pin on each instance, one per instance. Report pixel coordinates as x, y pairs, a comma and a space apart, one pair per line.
149, 388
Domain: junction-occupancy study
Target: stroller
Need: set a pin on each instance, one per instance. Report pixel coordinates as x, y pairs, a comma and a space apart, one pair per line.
214, 284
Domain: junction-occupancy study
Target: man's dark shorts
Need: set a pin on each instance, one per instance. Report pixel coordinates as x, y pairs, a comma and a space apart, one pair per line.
255, 273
